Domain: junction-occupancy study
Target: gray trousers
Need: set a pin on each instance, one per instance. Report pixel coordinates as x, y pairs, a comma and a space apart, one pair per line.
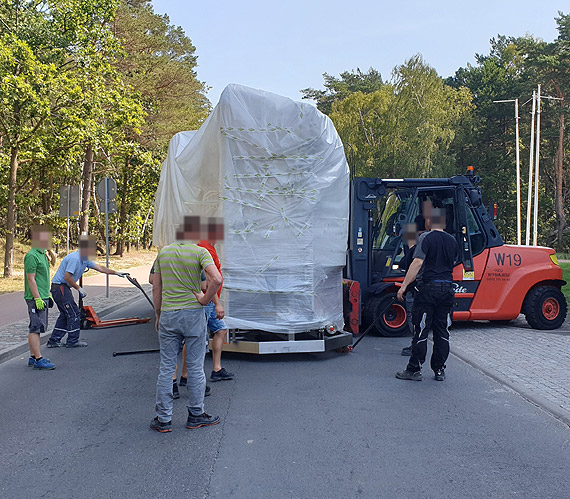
175, 326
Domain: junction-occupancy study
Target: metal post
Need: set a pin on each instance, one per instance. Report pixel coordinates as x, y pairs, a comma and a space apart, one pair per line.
530, 170
518, 165
536, 171
107, 233
518, 172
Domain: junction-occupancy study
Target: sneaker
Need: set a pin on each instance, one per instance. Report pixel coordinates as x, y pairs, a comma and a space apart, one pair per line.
54, 344
175, 392
207, 392
77, 344
410, 375
183, 381
439, 374
407, 351
32, 361
201, 420
157, 425
44, 363
221, 375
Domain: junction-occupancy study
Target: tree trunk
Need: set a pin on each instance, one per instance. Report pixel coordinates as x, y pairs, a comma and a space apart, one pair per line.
123, 212
11, 213
558, 191
86, 194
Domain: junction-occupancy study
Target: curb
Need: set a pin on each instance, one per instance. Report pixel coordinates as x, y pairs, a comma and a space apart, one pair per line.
20, 348
538, 400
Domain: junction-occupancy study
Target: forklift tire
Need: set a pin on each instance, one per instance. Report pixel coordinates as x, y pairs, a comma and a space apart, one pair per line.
545, 308
393, 321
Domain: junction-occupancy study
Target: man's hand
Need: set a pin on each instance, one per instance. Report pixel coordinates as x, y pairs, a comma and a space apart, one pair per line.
157, 319
401, 292
82, 292
121, 274
220, 312
40, 304
201, 298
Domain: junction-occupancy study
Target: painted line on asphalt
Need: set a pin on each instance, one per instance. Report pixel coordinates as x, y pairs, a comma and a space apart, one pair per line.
534, 398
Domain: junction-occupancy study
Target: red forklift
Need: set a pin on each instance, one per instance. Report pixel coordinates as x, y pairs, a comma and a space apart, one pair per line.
493, 281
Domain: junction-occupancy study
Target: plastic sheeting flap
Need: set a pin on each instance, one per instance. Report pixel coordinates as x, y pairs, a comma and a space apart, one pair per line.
276, 171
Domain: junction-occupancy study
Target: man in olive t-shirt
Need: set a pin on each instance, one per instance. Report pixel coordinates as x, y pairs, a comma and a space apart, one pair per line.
179, 306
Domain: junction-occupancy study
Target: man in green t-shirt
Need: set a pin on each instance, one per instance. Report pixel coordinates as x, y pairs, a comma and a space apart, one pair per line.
179, 306
36, 293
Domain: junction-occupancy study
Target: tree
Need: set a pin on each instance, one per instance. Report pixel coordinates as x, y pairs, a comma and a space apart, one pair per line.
46, 50
337, 89
405, 128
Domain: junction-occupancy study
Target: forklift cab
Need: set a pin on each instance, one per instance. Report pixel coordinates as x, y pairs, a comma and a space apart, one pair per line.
381, 208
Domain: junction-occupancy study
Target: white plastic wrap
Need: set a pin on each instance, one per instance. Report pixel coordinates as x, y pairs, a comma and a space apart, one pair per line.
275, 169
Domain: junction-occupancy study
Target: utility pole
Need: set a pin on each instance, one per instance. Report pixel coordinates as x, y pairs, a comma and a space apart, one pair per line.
536, 171
518, 165
530, 170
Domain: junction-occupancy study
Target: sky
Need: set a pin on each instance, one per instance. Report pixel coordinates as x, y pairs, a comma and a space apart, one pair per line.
284, 46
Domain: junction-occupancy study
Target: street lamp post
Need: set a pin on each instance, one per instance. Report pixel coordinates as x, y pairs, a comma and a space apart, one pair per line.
518, 165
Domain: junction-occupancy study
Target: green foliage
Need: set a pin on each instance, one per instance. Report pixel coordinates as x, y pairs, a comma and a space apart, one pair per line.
403, 129
106, 76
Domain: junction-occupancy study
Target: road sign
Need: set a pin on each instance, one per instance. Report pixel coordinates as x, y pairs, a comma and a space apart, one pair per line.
111, 188
69, 201
112, 204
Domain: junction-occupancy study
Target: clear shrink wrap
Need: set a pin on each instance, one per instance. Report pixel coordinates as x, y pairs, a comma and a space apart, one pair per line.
276, 171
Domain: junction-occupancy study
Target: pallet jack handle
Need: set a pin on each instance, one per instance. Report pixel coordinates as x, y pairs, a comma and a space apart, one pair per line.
369, 328
136, 284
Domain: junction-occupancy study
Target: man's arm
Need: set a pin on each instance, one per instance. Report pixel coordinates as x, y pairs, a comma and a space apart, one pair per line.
68, 278
105, 270
157, 296
220, 312
33, 286
213, 283
411, 275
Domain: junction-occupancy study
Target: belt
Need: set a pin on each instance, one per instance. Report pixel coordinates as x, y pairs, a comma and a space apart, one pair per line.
448, 282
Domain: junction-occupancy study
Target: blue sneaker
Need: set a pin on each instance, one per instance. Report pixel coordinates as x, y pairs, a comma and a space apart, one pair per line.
32, 362
44, 363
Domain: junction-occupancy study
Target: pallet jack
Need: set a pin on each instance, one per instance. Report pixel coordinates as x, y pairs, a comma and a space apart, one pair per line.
90, 319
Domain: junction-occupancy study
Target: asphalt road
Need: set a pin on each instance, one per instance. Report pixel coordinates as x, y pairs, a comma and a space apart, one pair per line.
299, 426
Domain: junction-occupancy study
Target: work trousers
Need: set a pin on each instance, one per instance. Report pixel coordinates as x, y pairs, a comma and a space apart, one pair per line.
431, 311
173, 327
69, 318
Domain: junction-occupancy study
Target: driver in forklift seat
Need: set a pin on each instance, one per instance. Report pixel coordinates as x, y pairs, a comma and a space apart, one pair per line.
436, 254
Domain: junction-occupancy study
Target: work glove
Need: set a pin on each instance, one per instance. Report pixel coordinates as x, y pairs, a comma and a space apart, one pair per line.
82, 292
40, 304
121, 274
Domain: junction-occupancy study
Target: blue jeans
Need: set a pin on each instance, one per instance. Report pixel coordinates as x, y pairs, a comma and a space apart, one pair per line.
69, 318
175, 326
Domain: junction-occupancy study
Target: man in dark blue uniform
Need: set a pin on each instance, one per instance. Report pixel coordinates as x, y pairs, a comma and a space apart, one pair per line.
437, 252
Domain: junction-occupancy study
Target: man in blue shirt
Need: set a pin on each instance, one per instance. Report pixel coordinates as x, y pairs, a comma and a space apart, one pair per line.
72, 267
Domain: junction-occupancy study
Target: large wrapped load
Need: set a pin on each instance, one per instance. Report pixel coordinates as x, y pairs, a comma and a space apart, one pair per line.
275, 170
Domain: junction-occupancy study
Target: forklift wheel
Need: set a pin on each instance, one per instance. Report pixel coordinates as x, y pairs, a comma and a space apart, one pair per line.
545, 308
393, 321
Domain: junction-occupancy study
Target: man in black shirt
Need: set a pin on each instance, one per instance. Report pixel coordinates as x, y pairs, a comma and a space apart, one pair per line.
436, 252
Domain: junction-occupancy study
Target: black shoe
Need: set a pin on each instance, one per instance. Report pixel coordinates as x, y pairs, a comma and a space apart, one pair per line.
175, 392
407, 351
221, 375
207, 392
410, 375
54, 344
439, 374
183, 381
201, 420
155, 424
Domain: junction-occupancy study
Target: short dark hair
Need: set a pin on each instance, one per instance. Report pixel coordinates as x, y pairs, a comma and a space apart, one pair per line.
420, 222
